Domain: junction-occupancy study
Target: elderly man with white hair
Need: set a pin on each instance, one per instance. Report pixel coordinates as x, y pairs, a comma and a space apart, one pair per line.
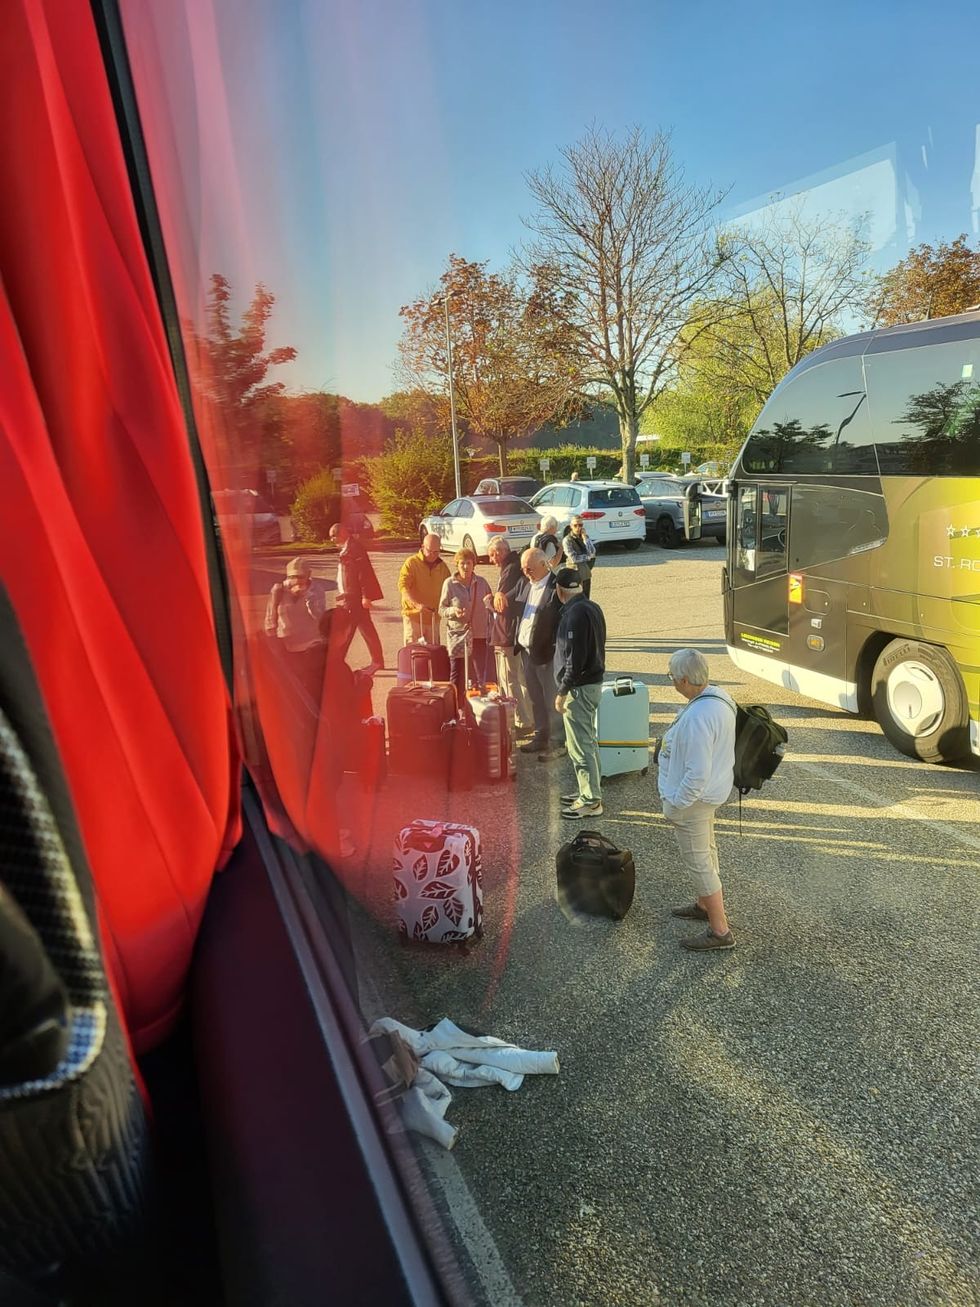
547, 541
697, 771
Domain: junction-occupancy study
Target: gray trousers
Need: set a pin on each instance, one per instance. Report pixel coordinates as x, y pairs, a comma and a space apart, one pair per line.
581, 710
549, 725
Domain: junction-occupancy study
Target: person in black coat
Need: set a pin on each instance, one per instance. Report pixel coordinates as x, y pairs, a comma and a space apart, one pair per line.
536, 629
357, 589
507, 603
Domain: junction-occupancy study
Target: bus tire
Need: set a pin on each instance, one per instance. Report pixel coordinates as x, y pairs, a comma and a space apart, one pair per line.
920, 702
667, 535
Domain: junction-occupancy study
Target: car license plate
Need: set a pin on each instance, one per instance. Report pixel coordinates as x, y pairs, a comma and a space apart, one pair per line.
622, 522
715, 513
521, 528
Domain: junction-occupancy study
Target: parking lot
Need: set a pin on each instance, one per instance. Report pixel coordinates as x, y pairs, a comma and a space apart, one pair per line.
793, 1122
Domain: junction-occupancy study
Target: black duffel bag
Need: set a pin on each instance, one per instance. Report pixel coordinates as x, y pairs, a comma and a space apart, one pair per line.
595, 877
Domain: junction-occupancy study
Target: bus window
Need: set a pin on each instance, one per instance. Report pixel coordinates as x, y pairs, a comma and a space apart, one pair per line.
772, 531
816, 421
831, 522
925, 409
746, 525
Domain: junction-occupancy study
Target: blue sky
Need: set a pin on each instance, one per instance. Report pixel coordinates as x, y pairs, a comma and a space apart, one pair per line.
373, 139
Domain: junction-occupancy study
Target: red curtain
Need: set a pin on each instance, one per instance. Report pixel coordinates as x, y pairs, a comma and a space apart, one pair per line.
101, 543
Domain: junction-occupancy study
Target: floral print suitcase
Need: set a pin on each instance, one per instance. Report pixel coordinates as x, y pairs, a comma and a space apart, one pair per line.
438, 883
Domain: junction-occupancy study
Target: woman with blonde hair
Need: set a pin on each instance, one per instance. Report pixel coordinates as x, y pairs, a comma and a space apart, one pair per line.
467, 622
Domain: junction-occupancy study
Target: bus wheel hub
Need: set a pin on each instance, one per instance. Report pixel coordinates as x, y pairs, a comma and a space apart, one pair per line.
915, 698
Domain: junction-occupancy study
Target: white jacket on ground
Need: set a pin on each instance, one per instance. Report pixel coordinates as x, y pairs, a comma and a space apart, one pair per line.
697, 755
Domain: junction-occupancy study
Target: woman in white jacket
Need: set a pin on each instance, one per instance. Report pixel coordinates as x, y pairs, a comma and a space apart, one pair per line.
697, 766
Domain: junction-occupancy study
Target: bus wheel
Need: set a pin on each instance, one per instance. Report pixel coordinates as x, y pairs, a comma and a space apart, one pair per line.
919, 701
667, 534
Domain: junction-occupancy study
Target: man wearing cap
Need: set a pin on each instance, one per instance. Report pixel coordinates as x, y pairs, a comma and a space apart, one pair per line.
292, 617
580, 663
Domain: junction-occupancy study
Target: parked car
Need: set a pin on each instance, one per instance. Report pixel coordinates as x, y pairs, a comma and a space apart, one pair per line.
610, 510
251, 511
472, 522
515, 487
663, 502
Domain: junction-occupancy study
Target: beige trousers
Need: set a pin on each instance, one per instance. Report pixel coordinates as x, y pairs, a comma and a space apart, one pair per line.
694, 831
510, 677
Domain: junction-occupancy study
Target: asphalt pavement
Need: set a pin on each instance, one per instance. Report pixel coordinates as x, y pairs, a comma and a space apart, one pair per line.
793, 1122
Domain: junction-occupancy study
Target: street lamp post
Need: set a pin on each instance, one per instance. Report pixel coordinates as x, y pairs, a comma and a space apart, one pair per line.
452, 396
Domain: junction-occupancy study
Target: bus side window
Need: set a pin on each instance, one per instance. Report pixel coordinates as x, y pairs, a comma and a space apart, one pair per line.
746, 528
772, 543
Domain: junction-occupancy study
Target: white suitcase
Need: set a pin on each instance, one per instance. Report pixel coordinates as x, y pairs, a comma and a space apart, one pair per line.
438, 882
623, 727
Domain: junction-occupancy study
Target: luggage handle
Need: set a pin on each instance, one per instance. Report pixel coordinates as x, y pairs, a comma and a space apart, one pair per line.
415, 680
593, 837
623, 685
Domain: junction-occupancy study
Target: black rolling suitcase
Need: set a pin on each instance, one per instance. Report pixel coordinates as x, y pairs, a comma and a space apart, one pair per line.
422, 662
418, 717
595, 877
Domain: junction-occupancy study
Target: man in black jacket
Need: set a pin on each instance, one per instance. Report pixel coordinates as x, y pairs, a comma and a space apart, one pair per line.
580, 663
507, 604
536, 628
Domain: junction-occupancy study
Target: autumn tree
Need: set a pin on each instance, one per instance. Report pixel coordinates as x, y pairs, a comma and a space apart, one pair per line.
229, 365
624, 246
508, 379
930, 282
785, 288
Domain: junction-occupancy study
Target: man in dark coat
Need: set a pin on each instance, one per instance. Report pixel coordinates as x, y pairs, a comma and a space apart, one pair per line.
507, 602
357, 589
536, 628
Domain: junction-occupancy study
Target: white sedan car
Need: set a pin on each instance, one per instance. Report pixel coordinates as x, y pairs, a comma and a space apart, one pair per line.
472, 522
610, 510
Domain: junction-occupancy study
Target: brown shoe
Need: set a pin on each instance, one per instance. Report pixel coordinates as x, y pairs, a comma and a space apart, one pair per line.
708, 942
690, 912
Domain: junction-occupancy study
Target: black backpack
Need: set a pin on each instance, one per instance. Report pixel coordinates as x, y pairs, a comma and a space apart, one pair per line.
760, 743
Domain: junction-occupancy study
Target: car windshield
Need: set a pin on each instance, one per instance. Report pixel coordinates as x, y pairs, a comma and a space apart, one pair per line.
506, 508
613, 497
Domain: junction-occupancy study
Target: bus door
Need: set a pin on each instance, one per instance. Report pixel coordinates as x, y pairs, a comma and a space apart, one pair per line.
760, 606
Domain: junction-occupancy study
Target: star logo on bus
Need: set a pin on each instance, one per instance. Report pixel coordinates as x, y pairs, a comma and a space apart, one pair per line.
961, 532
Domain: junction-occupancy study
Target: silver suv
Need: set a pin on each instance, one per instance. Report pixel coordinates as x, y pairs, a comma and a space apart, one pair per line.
662, 496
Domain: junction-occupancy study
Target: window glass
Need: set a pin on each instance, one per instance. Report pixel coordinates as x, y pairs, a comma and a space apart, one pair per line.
747, 529
452, 509
831, 522
925, 408
464, 508
506, 507
613, 497
544, 498
773, 508
815, 422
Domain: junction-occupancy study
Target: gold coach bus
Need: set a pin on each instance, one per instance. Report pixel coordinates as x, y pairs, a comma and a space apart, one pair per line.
853, 571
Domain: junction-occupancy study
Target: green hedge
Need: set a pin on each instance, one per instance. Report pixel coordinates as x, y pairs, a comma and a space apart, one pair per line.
316, 507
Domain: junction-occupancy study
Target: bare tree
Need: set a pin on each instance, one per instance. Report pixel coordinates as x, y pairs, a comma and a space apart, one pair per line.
786, 288
624, 247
